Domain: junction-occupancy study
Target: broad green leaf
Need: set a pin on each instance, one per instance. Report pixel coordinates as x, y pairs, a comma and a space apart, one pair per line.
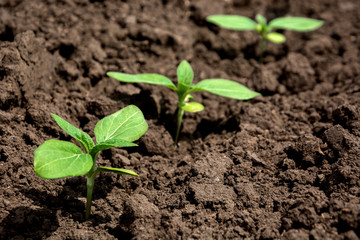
117, 170
185, 73
192, 107
83, 138
296, 23
233, 22
260, 19
150, 78
127, 124
58, 159
110, 144
275, 37
226, 88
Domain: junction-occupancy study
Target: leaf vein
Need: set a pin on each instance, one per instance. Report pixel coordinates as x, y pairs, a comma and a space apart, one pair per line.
120, 126
56, 160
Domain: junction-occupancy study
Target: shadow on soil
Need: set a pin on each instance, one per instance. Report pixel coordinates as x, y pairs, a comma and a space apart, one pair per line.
41, 220
29, 223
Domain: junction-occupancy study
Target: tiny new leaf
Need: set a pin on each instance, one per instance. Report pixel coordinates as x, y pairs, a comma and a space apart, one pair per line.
260, 19
111, 143
192, 107
82, 137
185, 73
275, 37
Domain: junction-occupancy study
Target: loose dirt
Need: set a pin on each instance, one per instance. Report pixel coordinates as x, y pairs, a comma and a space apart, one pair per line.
283, 165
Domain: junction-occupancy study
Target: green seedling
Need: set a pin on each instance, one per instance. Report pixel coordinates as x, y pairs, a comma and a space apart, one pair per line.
185, 76
59, 159
242, 23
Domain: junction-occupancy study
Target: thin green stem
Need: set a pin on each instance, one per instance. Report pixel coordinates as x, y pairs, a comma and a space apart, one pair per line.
262, 48
90, 186
180, 115
90, 181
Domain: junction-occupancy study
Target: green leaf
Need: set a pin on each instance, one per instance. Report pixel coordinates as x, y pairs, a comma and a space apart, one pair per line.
259, 28
192, 107
58, 159
226, 88
233, 22
110, 144
127, 124
275, 37
189, 97
83, 138
117, 170
185, 73
260, 19
296, 23
150, 78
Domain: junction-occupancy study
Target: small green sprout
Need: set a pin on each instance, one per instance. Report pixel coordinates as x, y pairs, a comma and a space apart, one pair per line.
59, 159
242, 23
185, 76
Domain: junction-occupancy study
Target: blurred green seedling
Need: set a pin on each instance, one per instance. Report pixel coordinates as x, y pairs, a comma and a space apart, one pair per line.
184, 88
59, 159
241, 23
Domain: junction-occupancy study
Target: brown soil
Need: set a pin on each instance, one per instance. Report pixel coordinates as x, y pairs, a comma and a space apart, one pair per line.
284, 165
